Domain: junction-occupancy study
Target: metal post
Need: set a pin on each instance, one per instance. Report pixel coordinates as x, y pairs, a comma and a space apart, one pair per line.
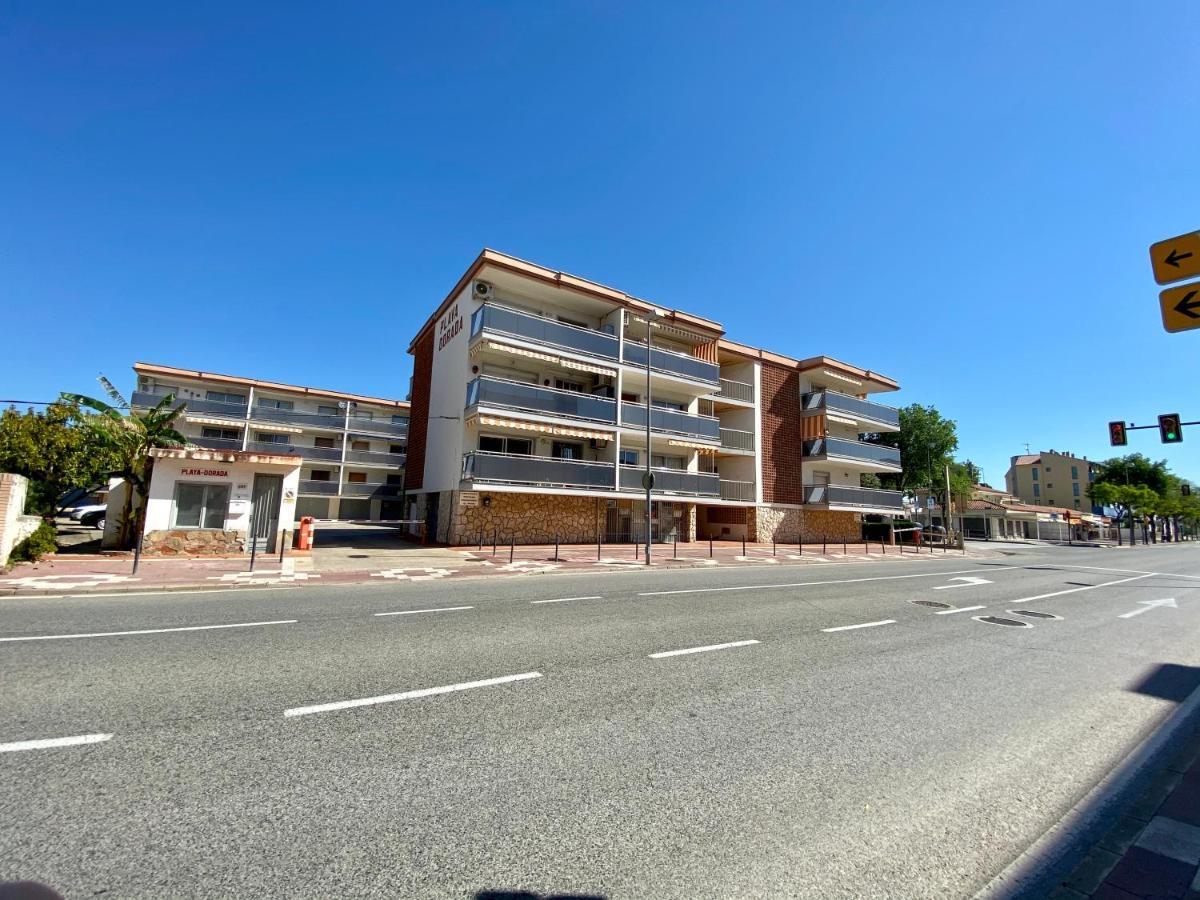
637, 548
282, 544
649, 476
675, 553
481, 538
253, 537
844, 553
949, 505
137, 552
556, 547
597, 546
710, 546
512, 545
772, 546
824, 541
743, 546
494, 539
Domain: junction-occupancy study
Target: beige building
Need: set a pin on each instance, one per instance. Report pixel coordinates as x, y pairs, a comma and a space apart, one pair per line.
1051, 478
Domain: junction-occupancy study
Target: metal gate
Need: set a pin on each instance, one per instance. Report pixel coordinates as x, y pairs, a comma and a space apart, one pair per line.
264, 512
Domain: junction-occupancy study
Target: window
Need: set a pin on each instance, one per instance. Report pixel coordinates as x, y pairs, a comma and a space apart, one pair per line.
1075, 489
360, 445
1077, 504
1074, 473
1035, 477
393, 478
667, 462
1049, 485
568, 385
222, 397
1047, 468
1037, 490
356, 477
628, 457
363, 414
201, 505
328, 411
268, 403
399, 420
667, 404
630, 398
324, 442
565, 450
320, 475
269, 437
395, 448
491, 443
567, 321
224, 434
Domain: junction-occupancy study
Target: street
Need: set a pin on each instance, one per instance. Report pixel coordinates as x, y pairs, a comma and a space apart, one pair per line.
848, 730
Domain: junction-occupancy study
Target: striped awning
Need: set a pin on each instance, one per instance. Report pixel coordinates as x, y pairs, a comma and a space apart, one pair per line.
829, 373
694, 445
586, 367
841, 419
542, 428
278, 429
545, 357
213, 420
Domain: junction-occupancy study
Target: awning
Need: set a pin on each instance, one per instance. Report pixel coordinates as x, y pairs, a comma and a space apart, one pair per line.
586, 367
829, 373
213, 420
695, 445
544, 428
278, 429
841, 419
545, 357
519, 351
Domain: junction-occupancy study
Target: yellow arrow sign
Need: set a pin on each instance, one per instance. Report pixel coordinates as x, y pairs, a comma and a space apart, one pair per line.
1176, 258
1181, 307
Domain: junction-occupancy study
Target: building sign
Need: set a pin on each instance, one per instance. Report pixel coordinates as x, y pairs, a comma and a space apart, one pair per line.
468, 498
211, 473
449, 327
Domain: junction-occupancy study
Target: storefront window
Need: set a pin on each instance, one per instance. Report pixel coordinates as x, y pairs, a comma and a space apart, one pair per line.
201, 505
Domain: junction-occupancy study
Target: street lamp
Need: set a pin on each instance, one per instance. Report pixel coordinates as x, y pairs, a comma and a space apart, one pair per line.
648, 477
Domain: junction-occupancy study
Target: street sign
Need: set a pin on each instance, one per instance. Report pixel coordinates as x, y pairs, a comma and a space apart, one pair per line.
1176, 258
929, 503
647, 481
1180, 307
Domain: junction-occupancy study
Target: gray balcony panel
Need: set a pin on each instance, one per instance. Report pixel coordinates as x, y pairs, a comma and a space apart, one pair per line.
540, 330
546, 471
370, 489
296, 417
272, 447
673, 364
736, 390
737, 490
325, 488
633, 415
530, 398
217, 443
375, 457
378, 426
832, 401
673, 481
145, 400
736, 439
875, 453
842, 495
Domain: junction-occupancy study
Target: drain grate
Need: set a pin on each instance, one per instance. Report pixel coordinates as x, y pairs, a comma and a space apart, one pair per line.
932, 604
996, 620
1034, 615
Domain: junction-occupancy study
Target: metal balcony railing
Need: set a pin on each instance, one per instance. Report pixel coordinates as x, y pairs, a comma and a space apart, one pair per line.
633, 415
375, 457
370, 489
545, 471
673, 481
736, 439
323, 488
540, 330
272, 447
369, 425
858, 450
326, 454
147, 399
501, 392
737, 490
736, 390
843, 495
671, 363
832, 401
212, 443
297, 417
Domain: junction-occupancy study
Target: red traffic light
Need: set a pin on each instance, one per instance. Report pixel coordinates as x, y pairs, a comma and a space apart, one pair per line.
1169, 430
1116, 434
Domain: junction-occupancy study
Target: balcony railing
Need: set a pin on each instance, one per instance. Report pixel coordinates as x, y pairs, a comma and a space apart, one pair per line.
147, 399
297, 417
326, 454
272, 447
832, 401
370, 425
517, 395
545, 471
673, 481
375, 457
671, 363
217, 443
858, 450
540, 330
633, 415
324, 488
737, 490
736, 390
369, 489
842, 495
736, 439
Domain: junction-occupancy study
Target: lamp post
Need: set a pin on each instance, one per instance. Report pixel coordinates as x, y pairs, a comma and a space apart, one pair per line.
648, 477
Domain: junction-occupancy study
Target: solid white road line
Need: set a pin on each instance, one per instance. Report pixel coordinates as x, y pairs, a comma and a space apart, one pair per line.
413, 612
950, 612
863, 625
768, 587
1110, 569
1090, 587
54, 742
66, 637
566, 599
667, 653
408, 695
92, 595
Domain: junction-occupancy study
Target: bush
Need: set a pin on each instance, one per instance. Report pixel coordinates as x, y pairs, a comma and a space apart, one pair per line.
37, 545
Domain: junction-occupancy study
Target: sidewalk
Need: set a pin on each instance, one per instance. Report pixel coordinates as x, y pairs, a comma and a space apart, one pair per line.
75, 574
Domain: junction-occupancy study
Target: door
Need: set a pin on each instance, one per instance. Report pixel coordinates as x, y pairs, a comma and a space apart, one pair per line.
264, 511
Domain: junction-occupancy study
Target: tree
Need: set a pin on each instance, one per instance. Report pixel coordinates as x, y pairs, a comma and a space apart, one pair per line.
926, 439
129, 436
1135, 469
54, 450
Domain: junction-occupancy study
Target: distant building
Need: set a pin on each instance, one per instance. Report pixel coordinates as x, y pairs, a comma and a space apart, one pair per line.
1051, 478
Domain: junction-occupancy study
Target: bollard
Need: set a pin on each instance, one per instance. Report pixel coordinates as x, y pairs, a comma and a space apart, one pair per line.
512, 545
282, 544
597, 547
823, 543
710, 546
882, 547
800, 544
743, 546
772, 546
494, 538
637, 548
556, 548
137, 553
481, 538
844, 553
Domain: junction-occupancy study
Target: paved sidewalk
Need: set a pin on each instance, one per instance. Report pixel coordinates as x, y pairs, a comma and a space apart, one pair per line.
1154, 850
75, 574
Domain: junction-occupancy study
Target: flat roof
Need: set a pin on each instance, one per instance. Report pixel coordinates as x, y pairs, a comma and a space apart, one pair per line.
143, 368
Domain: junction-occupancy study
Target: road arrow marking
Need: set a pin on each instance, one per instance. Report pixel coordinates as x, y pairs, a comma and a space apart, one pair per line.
967, 581
1148, 605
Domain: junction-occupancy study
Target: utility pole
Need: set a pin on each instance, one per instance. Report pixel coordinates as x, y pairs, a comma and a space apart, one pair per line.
946, 511
648, 478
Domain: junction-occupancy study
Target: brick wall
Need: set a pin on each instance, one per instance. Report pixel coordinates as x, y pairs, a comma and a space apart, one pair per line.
418, 416
14, 525
781, 444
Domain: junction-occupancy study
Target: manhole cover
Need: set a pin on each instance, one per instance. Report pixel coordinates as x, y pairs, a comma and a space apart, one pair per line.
1033, 615
932, 604
996, 620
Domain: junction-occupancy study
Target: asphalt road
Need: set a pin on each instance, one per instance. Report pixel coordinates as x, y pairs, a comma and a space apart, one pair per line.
914, 758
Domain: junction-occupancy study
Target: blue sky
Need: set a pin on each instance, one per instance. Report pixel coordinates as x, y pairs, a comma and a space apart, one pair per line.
958, 195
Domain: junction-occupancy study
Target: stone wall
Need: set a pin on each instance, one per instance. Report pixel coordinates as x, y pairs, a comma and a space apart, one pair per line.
193, 542
15, 526
523, 518
785, 523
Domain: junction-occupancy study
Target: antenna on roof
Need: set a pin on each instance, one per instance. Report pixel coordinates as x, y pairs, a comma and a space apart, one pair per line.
1027, 448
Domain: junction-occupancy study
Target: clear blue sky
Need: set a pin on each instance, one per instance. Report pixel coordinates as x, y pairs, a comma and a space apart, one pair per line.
958, 195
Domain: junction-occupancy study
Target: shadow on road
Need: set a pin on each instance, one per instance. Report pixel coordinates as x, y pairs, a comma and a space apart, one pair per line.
530, 895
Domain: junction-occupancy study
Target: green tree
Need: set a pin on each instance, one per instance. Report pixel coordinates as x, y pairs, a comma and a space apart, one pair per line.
926, 441
1135, 469
54, 450
129, 436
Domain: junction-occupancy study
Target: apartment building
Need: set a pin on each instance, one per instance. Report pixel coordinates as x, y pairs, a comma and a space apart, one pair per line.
352, 447
529, 415
1050, 478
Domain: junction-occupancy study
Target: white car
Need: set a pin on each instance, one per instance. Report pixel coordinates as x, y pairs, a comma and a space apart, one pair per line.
77, 513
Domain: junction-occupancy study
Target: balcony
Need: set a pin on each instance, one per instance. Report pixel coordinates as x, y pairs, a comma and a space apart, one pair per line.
543, 471
369, 425
504, 394
272, 447
673, 481
736, 390
736, 439
297, 417
670, 363
325, 454
319, 488
737, 490
876, 456
370, 489
375, 458
670, 421
851, 407
841, 495
146, 400
217, 443
508, 322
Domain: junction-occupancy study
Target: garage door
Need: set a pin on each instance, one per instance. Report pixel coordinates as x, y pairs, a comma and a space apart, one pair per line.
354, 508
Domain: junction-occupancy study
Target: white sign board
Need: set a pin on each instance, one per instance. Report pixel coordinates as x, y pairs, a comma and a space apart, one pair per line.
468, 498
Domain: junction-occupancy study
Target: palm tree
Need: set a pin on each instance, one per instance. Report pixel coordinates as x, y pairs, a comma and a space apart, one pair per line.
130, 436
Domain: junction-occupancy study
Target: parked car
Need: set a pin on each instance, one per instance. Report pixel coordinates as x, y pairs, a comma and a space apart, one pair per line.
81, 500
93, 519
77, 514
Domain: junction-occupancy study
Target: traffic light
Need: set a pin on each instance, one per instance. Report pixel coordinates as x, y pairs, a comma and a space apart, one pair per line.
1116, 434
1168, 428
1185, 489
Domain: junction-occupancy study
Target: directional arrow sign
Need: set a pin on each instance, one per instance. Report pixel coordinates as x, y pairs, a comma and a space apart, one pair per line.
1176, 258
1180, 307
1148, 605
967, 580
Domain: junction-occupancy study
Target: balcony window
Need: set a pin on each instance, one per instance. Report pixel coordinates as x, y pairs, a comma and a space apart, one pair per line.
222, 397
495, 444
399, 420
320, 475
223, 434
668, 462
328, 411
1074, 473
1075, 489
393, 478
360, 445
326, 442
363, 414
630, 398
356, 477
269, 437
628, 457
1035, 474
1037, 490
565, 450
200, 505
396, 448
268, 403
563, 385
